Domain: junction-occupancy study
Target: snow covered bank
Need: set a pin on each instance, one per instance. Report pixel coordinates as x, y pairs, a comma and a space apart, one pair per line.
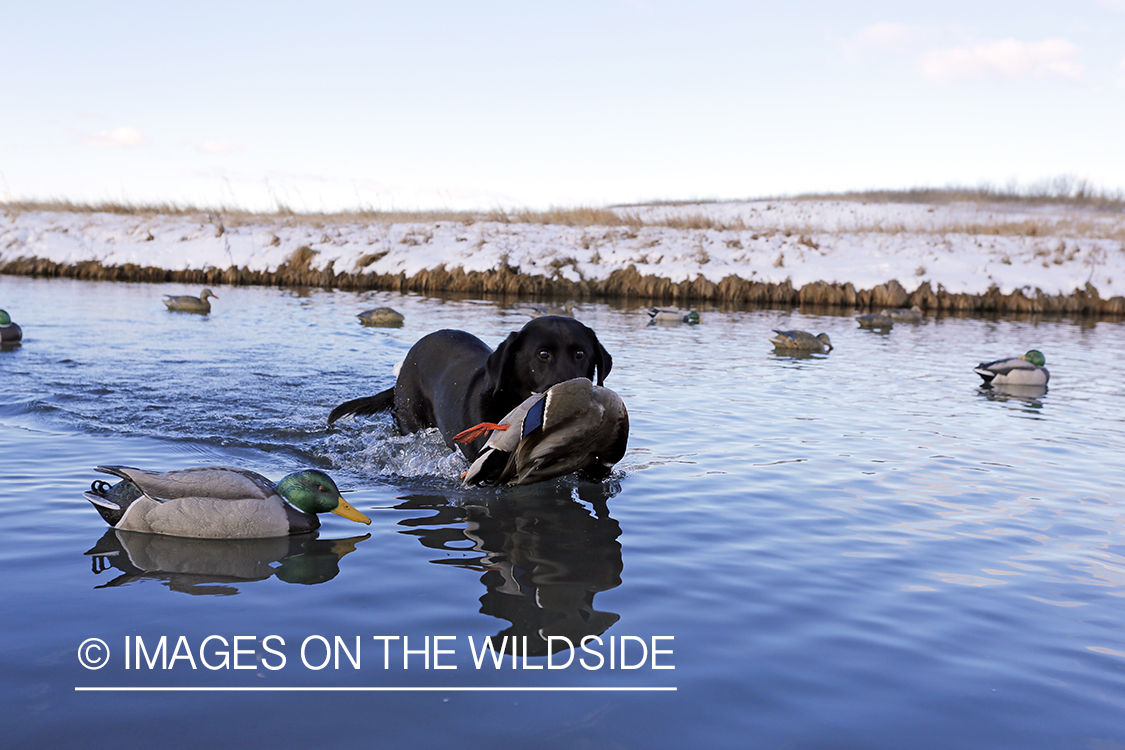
961, 256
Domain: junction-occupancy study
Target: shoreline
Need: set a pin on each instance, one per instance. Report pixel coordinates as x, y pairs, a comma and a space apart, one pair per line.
624, 284
832, 253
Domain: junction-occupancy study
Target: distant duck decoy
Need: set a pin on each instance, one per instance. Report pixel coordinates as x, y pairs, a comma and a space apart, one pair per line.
566, 310
187, 303
875, 321
572, 426
667, 315
381, 316
1025, 370
10, 333
904, 315
217, 502
802, 340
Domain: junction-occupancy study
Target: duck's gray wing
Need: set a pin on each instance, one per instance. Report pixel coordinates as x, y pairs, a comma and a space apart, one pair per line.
1004, 366
1012, 371
783, 339
217, 482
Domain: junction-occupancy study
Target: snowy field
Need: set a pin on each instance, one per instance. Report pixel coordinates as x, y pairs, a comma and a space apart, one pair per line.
963, 248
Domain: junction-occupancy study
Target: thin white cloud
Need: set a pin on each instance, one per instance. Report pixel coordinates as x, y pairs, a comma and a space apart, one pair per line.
878, 39
218, 147
1009, 58
123, 137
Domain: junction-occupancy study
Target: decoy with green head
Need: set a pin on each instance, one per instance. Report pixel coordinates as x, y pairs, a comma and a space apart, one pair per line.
187, 303
668, 315
217, 502
10, 333
567, 310
801, 341
1025, 370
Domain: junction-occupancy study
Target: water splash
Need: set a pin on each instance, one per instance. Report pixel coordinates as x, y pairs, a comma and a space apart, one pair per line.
381, 451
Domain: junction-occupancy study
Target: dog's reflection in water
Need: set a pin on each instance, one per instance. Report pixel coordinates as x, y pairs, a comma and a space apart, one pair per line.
543, 559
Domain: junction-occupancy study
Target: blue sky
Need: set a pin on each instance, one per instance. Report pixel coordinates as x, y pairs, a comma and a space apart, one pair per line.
339, 105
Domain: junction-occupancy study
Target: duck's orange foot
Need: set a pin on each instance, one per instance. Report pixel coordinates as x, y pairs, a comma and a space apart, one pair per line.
471, 434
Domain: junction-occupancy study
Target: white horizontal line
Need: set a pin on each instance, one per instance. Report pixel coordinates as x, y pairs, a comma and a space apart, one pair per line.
108, 689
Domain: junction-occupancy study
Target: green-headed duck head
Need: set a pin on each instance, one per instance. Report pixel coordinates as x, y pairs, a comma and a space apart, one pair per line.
5, 318
1035, 357
313, 491
692, 317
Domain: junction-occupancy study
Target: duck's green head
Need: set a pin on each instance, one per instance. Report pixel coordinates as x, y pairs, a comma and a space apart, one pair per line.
314, 492
1035, 357
5, 319
692, 317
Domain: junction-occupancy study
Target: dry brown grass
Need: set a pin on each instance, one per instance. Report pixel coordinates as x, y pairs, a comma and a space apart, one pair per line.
701, 221
237, 216
109, 207
1061, 190
581, 216
1067, 227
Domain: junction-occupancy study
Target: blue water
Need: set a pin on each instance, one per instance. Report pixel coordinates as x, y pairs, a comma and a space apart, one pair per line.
860, 550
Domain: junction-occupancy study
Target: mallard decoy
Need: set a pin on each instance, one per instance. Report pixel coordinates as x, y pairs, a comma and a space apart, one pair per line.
572, 426
666, 315
802, 340
904, 315
875, 321
381, 316
10, 332
217, 502
1025, 370
187, 303
566, 310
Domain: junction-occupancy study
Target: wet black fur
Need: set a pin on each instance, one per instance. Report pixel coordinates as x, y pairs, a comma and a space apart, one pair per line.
452, 380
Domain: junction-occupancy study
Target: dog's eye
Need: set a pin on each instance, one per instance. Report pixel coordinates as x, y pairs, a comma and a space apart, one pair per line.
580, 354
544, 354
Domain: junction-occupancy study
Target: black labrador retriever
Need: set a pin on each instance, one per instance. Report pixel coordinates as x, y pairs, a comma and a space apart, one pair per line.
452, 380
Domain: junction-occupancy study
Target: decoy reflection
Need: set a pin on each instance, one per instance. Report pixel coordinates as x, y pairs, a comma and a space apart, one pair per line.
1031, 395
215, 567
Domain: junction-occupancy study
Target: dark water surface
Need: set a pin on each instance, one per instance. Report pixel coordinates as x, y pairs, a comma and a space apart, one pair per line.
862, 550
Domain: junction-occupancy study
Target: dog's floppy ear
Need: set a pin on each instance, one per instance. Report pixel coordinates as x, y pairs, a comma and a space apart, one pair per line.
499, 362
602, 360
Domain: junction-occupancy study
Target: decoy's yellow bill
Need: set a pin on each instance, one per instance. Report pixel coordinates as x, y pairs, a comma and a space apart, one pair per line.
347, 511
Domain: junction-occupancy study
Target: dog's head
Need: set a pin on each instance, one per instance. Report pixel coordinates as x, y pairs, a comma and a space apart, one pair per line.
547, 351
